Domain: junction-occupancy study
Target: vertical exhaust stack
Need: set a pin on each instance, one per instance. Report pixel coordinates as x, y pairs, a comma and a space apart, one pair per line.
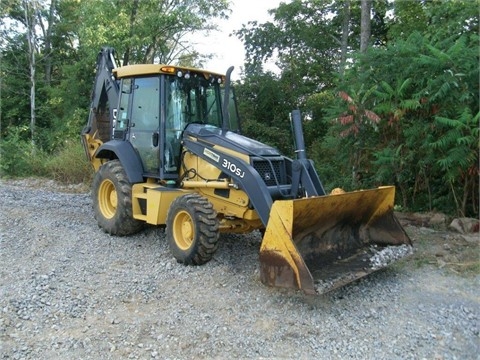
226, 100
297, 129
305, 180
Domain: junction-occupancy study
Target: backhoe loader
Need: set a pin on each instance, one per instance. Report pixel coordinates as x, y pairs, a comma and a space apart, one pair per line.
166, 147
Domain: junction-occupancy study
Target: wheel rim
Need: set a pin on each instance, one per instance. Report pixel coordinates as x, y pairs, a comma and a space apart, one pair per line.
107, 199
183, 230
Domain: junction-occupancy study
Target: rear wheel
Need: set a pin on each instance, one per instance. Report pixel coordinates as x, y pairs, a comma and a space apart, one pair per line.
112, 200
192, 229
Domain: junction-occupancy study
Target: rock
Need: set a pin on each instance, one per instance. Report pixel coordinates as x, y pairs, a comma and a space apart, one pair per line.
389, 254
438, 221
465, 225
431, 220
472, 239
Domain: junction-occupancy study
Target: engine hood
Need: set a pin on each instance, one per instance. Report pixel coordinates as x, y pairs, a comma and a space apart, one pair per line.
231, 140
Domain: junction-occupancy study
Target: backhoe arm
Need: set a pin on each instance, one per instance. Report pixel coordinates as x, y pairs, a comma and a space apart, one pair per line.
104, 101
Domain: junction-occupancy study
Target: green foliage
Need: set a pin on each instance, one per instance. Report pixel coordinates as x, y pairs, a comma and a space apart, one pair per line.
331, 164
69, 165
406, 112
315, 110
271, 135
148, 30
459, 143
69, 34
264, 106
14, 87
410, 17
426, 94
306, 59
18, 157
451, 17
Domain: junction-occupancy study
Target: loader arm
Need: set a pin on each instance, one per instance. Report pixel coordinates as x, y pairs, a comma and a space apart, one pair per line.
313, 241
244, 174
300, 178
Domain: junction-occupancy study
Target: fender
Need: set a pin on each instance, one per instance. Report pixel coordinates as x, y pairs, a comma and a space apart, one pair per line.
123, 151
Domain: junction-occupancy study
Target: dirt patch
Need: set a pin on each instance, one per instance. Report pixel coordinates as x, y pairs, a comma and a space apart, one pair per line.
444, 249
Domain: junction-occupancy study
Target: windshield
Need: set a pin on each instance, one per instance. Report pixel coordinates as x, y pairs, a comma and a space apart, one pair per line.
193, 100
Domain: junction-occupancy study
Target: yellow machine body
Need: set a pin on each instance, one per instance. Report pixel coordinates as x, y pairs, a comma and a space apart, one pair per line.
166, 147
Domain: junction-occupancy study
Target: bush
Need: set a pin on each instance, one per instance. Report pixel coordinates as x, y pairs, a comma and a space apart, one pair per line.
19, 157
69, 165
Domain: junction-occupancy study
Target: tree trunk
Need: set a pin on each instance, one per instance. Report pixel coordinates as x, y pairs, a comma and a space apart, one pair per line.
345, 30
47, 38
30, 22
365, 25
133, 15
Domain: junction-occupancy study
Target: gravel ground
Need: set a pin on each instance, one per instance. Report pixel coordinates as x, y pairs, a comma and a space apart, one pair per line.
69, 291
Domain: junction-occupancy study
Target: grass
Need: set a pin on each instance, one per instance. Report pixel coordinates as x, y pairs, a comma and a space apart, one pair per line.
66, 166
69, 165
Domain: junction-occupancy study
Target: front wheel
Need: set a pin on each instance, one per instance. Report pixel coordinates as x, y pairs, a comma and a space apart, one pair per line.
112, 200
192, 229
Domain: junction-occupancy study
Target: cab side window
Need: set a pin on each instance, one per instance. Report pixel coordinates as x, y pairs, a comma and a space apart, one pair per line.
122, 115
145, 109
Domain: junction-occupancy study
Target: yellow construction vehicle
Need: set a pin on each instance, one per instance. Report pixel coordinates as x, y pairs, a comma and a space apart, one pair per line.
166, 148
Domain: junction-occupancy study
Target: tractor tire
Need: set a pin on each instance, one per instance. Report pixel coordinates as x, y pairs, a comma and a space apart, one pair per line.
112, 200
192, 229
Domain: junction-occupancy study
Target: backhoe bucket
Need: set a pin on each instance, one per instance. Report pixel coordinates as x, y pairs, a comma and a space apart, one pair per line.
318, 244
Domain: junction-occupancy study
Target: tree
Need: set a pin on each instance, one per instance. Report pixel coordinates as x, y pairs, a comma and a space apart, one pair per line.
30, 11
304, 39
430, 121
60, 40
46, 21
365, 30
357, 121
28, 61
24, 15
345, 33
147, 31
393, 159
264, 108
455, 94
426, 95
410, 17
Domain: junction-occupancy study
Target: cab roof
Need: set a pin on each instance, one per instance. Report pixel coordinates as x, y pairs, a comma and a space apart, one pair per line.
151, 69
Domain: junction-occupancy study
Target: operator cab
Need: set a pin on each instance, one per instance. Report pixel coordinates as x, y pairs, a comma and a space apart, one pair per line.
156, 104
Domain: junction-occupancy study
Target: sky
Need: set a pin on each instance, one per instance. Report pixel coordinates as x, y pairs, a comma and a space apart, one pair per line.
228, 50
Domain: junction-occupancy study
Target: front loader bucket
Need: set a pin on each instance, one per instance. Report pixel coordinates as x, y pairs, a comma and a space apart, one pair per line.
318, 244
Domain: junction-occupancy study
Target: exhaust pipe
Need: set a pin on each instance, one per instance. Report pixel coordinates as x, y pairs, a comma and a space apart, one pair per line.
226, 100
298, 135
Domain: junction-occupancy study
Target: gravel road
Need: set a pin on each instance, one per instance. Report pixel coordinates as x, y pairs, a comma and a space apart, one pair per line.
70, 291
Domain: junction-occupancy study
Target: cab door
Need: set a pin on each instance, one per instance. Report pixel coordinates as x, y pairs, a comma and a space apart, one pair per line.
145, 122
